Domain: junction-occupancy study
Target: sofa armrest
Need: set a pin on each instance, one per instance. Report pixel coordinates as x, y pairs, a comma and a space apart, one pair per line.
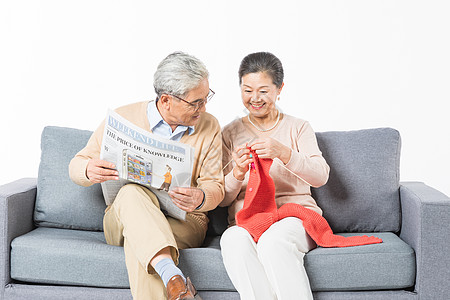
426, 228
16, 218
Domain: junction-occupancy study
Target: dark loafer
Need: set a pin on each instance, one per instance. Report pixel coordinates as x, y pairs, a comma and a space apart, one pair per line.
177, 289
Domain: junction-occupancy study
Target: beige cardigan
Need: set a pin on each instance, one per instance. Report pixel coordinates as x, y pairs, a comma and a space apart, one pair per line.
207, 141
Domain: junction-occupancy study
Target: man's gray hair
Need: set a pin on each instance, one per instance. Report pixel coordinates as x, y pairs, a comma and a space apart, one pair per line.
178, 74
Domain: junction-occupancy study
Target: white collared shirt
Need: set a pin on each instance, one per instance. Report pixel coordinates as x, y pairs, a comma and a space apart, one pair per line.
161, 128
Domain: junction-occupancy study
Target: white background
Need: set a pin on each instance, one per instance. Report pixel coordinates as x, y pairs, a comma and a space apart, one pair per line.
348, 65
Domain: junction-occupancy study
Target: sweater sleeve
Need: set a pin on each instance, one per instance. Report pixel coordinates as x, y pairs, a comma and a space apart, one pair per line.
308, 163
78, 164
232, 185
210, 178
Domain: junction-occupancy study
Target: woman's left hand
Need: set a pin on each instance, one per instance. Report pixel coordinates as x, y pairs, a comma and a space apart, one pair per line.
271, 148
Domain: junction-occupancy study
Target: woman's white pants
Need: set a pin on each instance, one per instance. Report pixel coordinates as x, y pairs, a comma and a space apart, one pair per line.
273, 267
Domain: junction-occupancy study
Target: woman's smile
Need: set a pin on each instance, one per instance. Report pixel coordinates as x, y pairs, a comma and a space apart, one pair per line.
257, 106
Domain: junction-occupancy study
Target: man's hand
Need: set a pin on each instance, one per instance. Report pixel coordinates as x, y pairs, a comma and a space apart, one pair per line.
187, 198
98, 171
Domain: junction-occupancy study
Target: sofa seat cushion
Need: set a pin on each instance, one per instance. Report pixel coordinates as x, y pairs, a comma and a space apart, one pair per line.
389, 265
75, 257
68, 257
78, 257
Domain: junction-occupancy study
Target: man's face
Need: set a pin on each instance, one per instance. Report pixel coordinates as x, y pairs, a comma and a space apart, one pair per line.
181, 113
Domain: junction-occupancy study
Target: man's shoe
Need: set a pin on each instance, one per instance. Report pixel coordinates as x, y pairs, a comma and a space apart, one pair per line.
177, 289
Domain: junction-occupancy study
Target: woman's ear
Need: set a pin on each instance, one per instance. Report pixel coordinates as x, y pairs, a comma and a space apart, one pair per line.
279, 91
281, 87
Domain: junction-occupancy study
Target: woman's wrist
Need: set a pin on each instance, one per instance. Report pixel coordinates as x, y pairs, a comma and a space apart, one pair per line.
238, 174
285, 156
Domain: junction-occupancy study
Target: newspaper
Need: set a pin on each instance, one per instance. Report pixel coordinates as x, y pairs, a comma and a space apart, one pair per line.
146, 159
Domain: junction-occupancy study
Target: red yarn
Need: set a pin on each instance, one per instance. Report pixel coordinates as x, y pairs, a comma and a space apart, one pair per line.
260, 211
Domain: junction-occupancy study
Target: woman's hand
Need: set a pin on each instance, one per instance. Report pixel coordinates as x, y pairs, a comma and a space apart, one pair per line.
271, 148
98, 171
187, 198
242, 158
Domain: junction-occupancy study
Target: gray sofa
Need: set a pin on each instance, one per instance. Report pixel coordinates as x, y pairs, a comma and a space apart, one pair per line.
52, 244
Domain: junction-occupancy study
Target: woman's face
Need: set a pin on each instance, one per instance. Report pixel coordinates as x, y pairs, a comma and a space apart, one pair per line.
259, 94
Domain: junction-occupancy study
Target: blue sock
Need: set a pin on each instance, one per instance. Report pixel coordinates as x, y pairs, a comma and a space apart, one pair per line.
166, 269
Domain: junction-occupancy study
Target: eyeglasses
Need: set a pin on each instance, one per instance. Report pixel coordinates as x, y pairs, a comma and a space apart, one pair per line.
196, 104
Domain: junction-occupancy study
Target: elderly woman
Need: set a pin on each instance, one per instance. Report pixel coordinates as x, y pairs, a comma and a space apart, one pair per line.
272, 267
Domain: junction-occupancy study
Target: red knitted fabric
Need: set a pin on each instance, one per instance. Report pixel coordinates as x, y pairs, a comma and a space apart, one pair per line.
260, 212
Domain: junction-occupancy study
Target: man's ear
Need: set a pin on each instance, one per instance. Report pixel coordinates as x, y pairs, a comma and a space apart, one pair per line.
165, 101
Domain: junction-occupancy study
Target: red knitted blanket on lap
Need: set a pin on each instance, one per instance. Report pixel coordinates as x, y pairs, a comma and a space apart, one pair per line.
260, 212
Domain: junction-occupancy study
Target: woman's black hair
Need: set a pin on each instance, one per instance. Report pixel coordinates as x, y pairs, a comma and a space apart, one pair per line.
262, 62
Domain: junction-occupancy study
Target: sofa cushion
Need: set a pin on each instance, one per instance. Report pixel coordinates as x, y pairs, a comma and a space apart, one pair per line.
60, 202
362, 193
73, 257
389, 265
68, 257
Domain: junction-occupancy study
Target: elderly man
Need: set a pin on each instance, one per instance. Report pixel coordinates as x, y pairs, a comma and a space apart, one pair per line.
150, 239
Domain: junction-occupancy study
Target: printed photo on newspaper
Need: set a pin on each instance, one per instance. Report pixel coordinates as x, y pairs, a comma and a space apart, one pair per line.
146, 159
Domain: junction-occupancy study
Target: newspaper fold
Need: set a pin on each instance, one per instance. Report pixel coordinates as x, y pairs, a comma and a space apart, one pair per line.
146, 159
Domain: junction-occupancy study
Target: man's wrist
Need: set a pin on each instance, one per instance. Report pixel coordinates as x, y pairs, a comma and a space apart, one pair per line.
203, 201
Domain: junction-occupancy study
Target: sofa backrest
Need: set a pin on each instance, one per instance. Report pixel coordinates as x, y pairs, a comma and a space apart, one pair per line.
362, 193
60, 202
